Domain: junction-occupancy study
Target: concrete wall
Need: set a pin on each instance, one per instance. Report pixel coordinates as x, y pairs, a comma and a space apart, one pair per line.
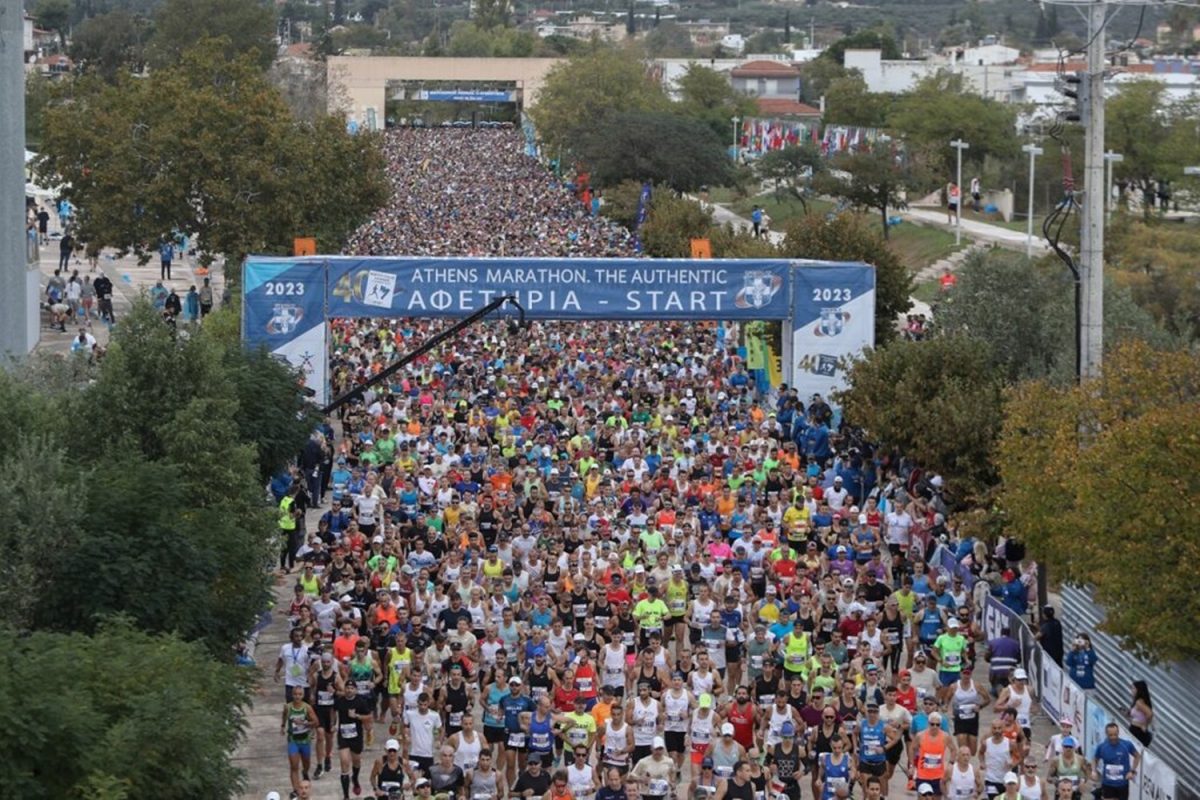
360, 83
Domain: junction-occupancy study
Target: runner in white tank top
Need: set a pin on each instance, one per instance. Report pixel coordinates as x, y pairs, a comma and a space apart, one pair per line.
997, 759
1031, 791
645, 722
613, 666
466, 755
962, 783
776, 723
677, 710
703, 684
616, 742
702, 613
701, 730
1022, 703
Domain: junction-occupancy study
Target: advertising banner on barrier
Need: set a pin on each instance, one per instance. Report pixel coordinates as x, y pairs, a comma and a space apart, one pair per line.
1074, 707
548, 288
1097, 718
834, 322
1158, 780
996, 616
283, 309
1052, 683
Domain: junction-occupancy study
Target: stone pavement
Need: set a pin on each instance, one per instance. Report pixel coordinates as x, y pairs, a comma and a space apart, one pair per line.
979, 231
263, 753
129, 280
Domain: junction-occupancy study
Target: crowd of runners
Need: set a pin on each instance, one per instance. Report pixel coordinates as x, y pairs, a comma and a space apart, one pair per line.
466, 192
593, 560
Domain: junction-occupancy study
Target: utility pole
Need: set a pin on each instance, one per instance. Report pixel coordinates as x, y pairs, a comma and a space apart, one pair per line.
1034, 151
1110, 158
15, 339
959, 145
735, 121
1091, 265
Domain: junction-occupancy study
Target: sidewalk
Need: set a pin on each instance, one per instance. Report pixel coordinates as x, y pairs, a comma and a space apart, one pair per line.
979, 231
129, 280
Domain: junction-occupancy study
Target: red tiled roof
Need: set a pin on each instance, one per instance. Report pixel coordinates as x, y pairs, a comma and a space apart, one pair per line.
786, 107
765, 69
1079, 66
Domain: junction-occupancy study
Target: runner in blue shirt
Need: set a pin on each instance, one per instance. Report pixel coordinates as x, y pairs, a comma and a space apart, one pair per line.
1115, 764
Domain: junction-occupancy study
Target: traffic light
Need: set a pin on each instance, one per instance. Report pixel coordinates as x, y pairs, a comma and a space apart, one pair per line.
1078, 87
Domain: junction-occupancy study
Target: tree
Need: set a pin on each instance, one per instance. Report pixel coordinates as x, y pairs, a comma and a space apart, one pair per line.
246, 27
1099, 482
707, 95
656, 147
671, 225
668, 40
938, 401
791, 170
939, 110
863, 40
874, 180
207, 148
817, 75
54, 15
180, 494
108, 45
490, 14
846, 238
1025, 312
587, 90
1153, 135
116, 715
1156, 261
848, 102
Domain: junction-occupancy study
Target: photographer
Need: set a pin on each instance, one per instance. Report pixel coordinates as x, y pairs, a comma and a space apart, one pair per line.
1081, 662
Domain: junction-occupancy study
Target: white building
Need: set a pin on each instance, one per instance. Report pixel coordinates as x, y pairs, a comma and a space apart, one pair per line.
1011, 80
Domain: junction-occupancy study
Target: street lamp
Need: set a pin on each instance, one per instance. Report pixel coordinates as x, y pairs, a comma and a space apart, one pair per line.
1034, 151
959, 145
735, 121
1111, 158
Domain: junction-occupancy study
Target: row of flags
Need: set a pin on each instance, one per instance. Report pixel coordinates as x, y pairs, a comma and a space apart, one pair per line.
760, 136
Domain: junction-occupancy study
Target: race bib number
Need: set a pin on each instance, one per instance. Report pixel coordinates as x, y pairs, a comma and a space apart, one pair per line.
516, 739
585, 684
678, 606
348, 730
966, 711
1114, 772
455, 718
658, 788
576, 737
324, 698
723, 771
952, 659
756, 662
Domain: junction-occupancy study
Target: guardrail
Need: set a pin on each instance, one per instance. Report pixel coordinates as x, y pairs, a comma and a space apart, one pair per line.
1059, 696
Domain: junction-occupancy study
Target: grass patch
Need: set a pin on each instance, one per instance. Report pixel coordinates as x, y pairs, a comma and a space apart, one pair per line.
780, 211
723, 195
918, 246
927, 292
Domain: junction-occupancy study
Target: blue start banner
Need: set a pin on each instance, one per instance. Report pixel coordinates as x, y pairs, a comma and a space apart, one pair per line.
466, 96
834, 322
283, 309
287, 302
576, 288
